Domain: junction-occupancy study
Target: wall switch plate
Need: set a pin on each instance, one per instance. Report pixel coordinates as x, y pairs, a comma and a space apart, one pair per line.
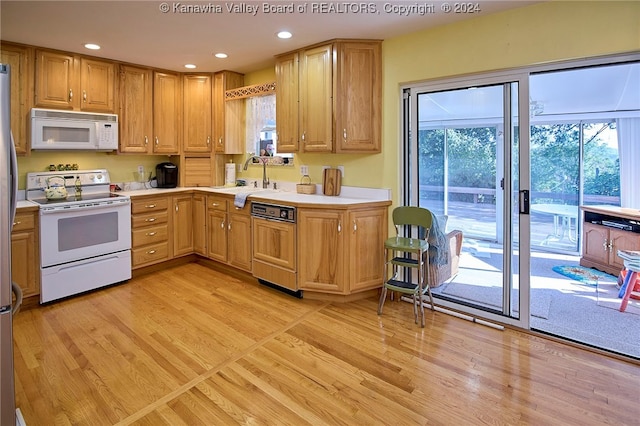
140, 169
341, 168
304, 170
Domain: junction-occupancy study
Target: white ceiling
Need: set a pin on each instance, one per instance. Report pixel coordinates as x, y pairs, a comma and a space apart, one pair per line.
138, 32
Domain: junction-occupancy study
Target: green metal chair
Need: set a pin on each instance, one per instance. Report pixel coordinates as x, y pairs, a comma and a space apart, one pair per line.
408, 252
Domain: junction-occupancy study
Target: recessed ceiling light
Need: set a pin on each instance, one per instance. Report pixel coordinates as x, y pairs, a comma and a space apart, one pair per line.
284, 34
220, 55
190, 66
92, 46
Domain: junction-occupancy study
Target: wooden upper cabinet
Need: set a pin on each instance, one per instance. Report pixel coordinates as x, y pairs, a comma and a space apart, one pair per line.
228, 117
56, 80
167, 113
136, 109
97, 85
67, 81
287, 102
197, 113
338, 106
358, 100
316, 99
20, 59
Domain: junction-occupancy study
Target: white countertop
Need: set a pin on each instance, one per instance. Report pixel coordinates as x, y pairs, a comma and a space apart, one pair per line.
348, 195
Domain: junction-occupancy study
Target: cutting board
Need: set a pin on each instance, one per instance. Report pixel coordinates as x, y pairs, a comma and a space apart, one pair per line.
331, 182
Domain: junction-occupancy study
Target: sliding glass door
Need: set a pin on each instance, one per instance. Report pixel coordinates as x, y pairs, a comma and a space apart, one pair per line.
463, 151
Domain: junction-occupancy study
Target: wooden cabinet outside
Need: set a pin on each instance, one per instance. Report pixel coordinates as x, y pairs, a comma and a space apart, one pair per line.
200, 224
68, 81
167, 113
150, 230
197, 113
334, 263
229, 232
25, 253
20, 59
228, 117
217, 228
182, 225
601, 244
136, 109
339, 102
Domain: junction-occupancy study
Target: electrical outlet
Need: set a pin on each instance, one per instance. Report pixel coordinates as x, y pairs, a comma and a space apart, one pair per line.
304, 170
141, 169
341, 168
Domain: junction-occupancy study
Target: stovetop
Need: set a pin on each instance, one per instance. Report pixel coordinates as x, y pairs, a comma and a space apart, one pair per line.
99, 196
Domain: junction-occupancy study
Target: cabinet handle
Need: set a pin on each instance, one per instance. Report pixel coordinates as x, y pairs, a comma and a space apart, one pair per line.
16, 223
70, 95
146, 140
150, 234
355, 226
344, 134
150, 206
229, 226
220, 141
610, 246
151, 219
84, 96
215, 204
339, 227
151, 252
222, 224
604, 245
208, 140
176, 207
157, 141
304, 136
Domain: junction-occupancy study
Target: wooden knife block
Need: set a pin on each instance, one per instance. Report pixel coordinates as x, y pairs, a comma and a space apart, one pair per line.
331, 182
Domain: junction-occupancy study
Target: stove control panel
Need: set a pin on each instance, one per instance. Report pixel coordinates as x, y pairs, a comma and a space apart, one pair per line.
71, 178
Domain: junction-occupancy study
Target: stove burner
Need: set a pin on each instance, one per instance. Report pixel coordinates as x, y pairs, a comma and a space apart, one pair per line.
71, 198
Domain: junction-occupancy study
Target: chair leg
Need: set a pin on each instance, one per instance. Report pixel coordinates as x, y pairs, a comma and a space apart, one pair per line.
383, 296
630, 281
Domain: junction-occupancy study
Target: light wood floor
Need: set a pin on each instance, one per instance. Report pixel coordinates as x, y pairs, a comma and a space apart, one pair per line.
193, 346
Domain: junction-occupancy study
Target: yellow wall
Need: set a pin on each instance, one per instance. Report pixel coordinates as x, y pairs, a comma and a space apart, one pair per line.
545, 32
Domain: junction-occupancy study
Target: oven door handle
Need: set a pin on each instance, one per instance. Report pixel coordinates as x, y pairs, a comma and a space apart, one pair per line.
77, 209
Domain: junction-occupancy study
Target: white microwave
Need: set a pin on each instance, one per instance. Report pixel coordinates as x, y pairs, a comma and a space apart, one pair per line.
55, 129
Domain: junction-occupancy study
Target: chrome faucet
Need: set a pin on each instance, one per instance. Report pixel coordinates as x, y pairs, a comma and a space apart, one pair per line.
263, 160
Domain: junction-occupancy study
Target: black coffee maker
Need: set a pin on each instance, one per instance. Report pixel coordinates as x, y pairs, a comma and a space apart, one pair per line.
167, 175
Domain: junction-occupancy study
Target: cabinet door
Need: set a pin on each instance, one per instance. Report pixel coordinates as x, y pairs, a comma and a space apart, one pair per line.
287, 102
200, 224
228, 120
595, 243
621, 240
136, 109
56, 77
197, 113
316, 99
239, 238
358, 97
182, 225
367, 232
23, 266
321, 251
97, 83
167, 107
217, 235
20, 59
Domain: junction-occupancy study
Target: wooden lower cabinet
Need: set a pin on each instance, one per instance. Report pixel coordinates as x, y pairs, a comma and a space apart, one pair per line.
150, 230
229, 232
331, 245
200, 224
25, 256
182, 225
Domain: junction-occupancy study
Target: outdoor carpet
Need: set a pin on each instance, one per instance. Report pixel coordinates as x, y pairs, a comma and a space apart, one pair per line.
585, 276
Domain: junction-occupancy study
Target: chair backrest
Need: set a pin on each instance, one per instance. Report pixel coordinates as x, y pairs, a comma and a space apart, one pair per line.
413, 216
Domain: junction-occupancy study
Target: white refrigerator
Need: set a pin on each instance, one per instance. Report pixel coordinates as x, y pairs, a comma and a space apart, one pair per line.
8, 196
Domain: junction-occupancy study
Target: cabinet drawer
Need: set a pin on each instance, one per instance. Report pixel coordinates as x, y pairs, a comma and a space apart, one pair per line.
246, 210
156, 218
217, 203
150, 254
149, 205
149, 235
23, 222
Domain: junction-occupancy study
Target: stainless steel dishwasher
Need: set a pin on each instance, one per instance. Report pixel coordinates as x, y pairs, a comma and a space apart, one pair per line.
275, 246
